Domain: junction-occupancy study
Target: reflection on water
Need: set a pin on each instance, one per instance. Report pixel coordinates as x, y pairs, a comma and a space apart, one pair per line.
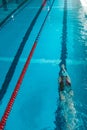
80, 53
80, 34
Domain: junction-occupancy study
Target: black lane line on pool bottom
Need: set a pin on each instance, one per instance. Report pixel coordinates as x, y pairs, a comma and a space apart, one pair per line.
64, 37
17, 56
58, 118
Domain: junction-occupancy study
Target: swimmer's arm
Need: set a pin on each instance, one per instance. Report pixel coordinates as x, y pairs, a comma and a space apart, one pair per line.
66, 74
68, 77
68, 80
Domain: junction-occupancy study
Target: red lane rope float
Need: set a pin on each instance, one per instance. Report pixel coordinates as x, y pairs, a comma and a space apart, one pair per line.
44, 2
14, 94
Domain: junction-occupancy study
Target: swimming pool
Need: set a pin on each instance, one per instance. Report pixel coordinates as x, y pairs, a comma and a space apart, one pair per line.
37, 101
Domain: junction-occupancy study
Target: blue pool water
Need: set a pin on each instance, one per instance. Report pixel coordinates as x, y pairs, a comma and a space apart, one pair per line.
63, 39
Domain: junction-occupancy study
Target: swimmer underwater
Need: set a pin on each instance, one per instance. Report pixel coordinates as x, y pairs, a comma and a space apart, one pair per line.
64, 79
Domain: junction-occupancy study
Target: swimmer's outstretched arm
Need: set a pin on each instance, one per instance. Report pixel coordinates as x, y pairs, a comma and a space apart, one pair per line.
63, 68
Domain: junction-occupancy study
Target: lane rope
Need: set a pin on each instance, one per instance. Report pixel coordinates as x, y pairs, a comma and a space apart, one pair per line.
18, 54
17, 87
